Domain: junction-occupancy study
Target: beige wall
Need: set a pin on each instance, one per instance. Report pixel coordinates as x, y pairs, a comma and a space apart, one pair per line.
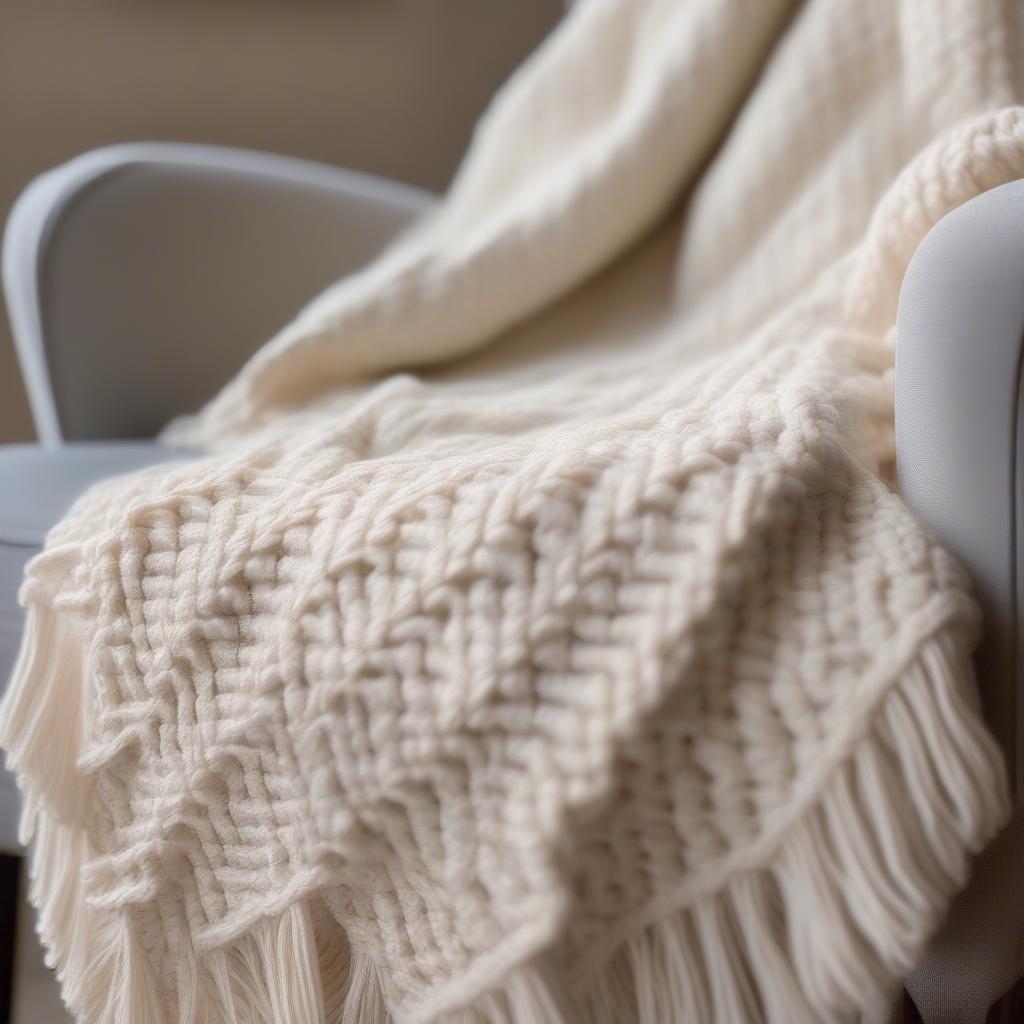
387, 86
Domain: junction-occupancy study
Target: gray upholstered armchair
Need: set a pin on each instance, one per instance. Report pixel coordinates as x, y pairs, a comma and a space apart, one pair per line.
139, 277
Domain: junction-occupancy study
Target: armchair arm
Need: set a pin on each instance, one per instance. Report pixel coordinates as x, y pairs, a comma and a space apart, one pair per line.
140, 277
958, 424
960, 340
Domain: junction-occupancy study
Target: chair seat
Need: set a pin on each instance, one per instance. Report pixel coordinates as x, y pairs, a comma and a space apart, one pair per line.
37, 485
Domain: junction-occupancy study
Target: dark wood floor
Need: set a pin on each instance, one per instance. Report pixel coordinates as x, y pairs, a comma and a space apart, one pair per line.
9, 869
1009, 1009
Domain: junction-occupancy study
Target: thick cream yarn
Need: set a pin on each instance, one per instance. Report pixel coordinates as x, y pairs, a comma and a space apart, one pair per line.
595, 672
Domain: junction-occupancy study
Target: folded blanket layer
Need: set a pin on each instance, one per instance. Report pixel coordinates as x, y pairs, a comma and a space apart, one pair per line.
594, 671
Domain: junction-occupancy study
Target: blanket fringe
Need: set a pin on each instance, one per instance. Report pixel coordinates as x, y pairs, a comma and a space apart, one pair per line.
43, 717
818, 924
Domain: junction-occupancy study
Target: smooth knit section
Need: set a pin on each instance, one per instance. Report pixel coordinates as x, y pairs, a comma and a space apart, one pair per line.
543, 640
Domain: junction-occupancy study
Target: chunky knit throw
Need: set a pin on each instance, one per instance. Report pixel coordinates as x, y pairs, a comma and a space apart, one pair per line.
589, 669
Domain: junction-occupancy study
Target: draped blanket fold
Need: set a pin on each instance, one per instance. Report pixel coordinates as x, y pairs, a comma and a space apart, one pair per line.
542, 638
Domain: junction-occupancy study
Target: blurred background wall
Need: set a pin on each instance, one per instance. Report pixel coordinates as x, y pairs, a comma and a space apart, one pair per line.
392, 87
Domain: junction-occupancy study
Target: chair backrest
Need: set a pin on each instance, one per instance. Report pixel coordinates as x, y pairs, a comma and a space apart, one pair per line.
139, 278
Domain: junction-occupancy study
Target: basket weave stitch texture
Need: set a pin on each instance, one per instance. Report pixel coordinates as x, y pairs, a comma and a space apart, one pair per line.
543, 639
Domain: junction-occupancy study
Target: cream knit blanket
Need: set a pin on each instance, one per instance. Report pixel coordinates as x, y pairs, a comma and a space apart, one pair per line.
590, 669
